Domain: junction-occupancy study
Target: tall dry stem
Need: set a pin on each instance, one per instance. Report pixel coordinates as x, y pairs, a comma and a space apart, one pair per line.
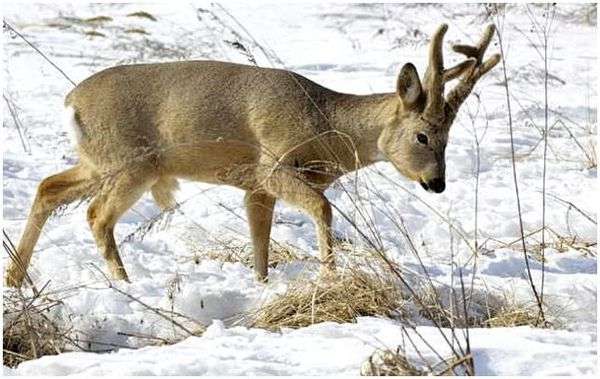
500, 14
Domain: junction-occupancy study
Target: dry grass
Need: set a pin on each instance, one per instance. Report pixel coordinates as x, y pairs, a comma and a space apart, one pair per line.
98, 20
137, 31
92, 21
396, 363
513, 314
563, 244
278, 254
591, 154
240, 251
485, 310
341, 298
93, 33
142, 14
28, 333
560, 242
389, 363
58, 25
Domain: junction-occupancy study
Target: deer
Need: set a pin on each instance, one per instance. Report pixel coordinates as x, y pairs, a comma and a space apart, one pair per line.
270, 132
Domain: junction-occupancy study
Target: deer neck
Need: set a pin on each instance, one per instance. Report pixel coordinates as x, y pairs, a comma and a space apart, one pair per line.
363, 118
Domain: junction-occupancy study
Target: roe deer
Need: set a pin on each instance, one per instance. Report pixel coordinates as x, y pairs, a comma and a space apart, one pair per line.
273, 133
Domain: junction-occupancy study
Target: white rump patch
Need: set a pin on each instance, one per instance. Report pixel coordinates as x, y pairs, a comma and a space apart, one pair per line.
71, 126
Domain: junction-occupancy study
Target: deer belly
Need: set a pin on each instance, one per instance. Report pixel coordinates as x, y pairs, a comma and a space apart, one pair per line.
211, 161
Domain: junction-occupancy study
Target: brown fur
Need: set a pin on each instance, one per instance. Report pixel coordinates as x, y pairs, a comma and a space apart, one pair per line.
272, 133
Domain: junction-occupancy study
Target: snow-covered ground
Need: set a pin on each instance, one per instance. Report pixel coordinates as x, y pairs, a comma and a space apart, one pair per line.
350, 48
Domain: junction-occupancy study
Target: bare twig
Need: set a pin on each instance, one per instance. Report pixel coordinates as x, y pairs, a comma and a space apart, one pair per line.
499, 27
8, 26
18, 124
570, 204
544, 35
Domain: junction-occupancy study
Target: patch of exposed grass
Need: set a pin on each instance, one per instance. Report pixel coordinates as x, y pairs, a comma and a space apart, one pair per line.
341, 297
278, 254
93, 33
234, 250
592, 154
485, 310
137, 31
513, 315
92, 21
28, 333
389, 363
385, 362
58, 25
142, 14
97, 20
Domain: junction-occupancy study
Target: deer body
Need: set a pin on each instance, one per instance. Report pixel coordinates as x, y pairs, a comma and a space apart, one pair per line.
205, 120
273, 133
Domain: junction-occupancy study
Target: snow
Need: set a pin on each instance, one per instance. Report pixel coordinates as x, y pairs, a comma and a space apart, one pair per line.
335, 349
354, 48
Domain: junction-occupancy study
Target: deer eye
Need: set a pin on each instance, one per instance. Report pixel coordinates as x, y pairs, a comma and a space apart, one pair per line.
422, 138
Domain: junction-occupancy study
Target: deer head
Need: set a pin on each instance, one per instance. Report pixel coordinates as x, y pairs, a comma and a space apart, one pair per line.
416, 142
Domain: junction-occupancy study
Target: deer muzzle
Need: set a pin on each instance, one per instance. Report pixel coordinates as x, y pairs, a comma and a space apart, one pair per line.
437, 185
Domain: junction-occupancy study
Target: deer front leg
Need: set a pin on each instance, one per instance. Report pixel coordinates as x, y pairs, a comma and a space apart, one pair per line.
259, 208
287, 186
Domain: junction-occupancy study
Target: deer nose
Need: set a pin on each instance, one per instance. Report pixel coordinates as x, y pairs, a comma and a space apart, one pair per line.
437, 185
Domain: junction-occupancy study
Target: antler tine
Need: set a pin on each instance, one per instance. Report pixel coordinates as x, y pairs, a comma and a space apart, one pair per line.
479, 68
459, 69
434, 76
478, 50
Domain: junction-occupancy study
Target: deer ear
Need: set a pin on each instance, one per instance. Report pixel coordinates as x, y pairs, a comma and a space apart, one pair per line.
409, 87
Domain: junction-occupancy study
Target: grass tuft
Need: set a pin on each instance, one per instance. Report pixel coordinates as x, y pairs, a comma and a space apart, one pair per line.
591, 154
486, 310
389, 363
340, 297
28, 333
512, 314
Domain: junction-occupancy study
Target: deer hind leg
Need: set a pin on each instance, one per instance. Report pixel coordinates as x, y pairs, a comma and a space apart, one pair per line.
259, 208
106, 209
53, 192
162, 192
287, 186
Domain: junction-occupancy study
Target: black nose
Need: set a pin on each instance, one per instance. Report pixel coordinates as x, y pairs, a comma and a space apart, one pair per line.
437, 185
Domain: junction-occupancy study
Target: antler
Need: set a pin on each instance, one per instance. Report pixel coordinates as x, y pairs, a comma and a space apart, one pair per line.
475, 54
436, 76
